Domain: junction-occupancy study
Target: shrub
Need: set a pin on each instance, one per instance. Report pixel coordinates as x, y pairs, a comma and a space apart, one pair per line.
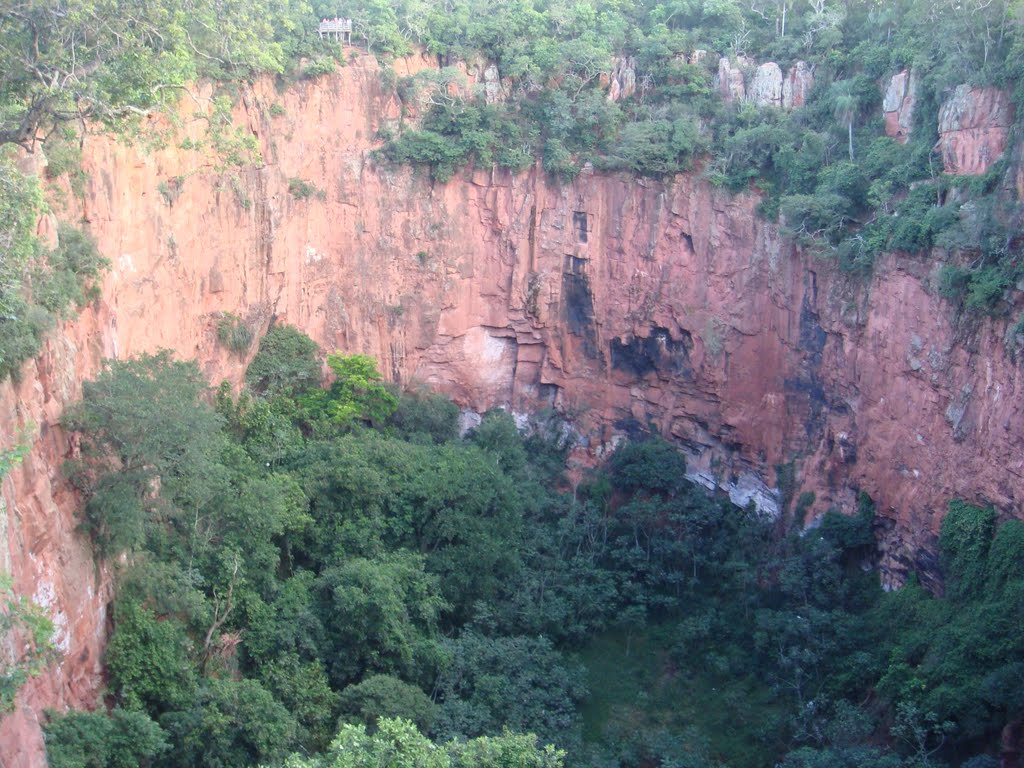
319, 65
67, 278
287, 363
233, 333
380, 696
301, 189
124, 739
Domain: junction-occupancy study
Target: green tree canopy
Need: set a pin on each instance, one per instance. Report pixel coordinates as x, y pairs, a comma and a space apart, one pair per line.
397, 744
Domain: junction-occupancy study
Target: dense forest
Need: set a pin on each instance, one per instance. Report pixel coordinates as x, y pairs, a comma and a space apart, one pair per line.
335, 577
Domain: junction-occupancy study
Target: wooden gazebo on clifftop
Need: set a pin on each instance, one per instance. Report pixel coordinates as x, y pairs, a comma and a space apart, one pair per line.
338, 29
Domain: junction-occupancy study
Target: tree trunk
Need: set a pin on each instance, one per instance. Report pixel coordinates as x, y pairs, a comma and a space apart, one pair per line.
850, 128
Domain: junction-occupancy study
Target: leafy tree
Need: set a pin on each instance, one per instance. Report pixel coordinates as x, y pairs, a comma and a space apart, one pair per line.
75, 60
303, 688
498, 434
844, 102
145, 418
124, 739
381, 615
652, 465
289, 625
20, 326
148, 660
230, 723
398, 743
424, 416
287, 363
358, 392
521, 683
385, 696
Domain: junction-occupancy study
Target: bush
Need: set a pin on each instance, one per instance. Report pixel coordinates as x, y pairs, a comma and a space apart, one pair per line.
319, 65
381, 696
986, 288
67, 278
425, 417
287, 363
233, 333
123, 739
301, 189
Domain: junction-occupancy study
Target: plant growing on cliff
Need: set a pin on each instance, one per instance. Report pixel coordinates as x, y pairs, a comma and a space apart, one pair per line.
301, 189
234, 333
145, 418
25, 642
36, 286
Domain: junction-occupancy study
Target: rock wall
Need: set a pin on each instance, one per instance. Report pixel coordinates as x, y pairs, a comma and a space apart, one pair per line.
898, 102
796, 88
621, 82
765, 85
974, 124
624, 303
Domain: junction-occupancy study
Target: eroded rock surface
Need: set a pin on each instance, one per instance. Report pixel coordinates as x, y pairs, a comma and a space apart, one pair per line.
766, 85
898, 105
622, 80
797, 86
729, 81
620, 302
973, 127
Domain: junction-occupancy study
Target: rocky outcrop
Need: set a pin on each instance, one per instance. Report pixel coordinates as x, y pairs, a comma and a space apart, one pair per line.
624, 304
797, 86
973, 127
766, 85
622, 80
494, 89
730, 80
485, 78
898, 105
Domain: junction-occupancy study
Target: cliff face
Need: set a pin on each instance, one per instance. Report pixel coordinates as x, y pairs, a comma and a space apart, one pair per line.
621, 303
898, 101
974, 124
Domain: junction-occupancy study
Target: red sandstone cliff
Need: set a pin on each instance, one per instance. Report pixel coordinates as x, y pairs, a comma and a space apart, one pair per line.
974, 125
620, 302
